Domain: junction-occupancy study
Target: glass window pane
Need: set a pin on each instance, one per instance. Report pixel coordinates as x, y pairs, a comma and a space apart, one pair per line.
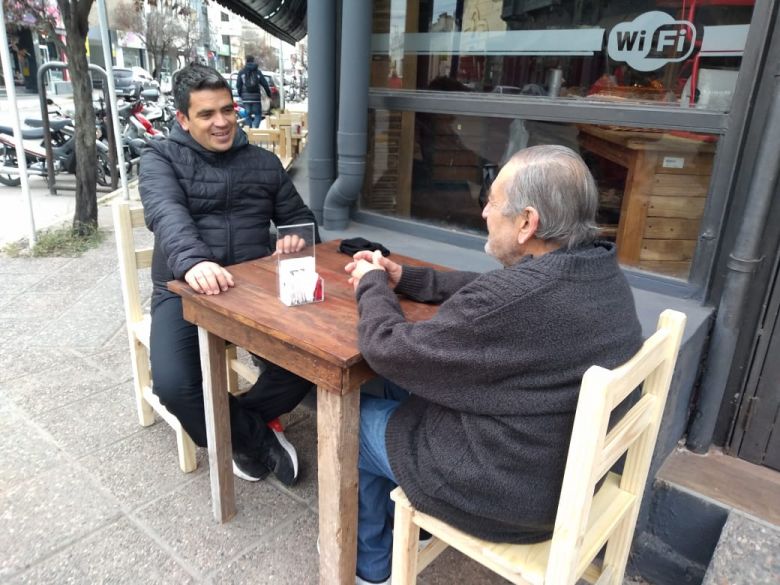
609, 50
653, 183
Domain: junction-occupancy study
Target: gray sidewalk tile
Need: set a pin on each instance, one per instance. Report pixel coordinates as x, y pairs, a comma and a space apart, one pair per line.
18, 360
113, 358
34, 305
184, 521
143, 466
26, 450
21, 332
288, 556
119, 554
11, 284
50, 512
35, 266
454, 567
94, 422
43, 391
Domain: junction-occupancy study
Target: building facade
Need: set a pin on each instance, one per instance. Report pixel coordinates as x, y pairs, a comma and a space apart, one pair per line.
674, 106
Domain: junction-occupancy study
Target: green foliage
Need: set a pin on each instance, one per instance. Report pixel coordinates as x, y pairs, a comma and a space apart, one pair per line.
65, 242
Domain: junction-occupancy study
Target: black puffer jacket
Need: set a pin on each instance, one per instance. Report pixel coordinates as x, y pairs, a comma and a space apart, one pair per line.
216, 206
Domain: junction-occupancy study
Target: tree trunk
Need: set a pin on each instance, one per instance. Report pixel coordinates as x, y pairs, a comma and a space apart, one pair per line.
75, 15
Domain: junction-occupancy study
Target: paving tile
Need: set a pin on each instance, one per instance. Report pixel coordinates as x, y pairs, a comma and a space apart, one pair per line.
184, 522
18, 360
143, 467
34, 305
12, 284
118, 554
113, 358
747, 553
26, 450
99, 420
21, 332
42, 391
76, 278
40, 266
287, 556
49, 512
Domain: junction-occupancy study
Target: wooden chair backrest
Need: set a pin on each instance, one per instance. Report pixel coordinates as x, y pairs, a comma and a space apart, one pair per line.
132, 257
278, 141
595, 448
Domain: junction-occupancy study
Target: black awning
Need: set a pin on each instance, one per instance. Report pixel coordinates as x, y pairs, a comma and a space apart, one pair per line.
285, 19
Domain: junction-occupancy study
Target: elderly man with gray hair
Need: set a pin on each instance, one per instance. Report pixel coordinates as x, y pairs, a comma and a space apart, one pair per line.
475, 425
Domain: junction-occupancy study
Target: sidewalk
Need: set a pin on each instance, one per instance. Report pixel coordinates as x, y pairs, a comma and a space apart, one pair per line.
89, 496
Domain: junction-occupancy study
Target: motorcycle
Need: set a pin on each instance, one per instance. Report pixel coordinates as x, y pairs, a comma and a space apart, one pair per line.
63, 143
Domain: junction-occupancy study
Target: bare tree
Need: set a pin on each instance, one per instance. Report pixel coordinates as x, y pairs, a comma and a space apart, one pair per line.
38, 15
167, 27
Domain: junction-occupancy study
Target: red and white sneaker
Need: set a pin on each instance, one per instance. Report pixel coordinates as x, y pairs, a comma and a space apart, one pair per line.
281, 466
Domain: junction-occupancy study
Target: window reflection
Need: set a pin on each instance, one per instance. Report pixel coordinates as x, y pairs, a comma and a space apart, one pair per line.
674, 52
652, 183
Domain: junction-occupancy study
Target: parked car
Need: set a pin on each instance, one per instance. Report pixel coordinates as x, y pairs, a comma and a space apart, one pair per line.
274, 83
131, 81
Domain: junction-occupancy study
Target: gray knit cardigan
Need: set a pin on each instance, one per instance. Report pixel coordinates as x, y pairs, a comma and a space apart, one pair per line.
494, 378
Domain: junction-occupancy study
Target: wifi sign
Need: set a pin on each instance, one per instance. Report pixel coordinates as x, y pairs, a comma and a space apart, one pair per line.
651, 40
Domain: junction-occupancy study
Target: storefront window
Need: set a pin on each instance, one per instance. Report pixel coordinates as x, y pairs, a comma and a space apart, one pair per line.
682, 53
653, 183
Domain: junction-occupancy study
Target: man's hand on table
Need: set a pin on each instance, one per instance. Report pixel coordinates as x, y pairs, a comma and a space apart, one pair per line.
290, 244
209, 278
365, 261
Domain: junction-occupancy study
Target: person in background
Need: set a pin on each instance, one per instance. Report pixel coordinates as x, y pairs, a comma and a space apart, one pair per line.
476, 422
210, 198
250, 81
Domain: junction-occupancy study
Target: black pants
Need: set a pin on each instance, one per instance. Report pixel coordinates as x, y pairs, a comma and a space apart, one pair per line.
177, 381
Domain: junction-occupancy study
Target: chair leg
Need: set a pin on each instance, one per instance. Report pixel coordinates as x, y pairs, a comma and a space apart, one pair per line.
141, 379
406, 538
232, 381
186, 449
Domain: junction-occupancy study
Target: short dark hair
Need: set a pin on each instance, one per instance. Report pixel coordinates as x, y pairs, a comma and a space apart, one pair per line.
195, 77
250, 58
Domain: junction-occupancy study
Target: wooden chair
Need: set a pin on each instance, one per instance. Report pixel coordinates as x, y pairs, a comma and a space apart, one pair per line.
129, 216
584, 523
278, 141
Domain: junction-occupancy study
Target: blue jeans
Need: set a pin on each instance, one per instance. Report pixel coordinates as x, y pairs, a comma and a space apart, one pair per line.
254, 113
375, 482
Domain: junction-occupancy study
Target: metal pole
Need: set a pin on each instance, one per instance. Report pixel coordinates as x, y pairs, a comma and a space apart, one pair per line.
104, 37
281, 75
21, 158
744, 260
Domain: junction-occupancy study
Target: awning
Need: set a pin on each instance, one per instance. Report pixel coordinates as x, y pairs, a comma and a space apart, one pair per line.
285, 19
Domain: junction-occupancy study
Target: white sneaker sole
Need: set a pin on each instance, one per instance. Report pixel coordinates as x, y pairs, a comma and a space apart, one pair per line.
238, 473
288, 446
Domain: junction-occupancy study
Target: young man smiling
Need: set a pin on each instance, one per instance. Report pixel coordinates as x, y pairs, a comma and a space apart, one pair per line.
210, 197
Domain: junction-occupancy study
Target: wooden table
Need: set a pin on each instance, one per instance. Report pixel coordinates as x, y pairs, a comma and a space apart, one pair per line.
316, 341
667, 180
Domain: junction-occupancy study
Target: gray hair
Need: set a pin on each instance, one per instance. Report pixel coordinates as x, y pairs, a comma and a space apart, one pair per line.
555, 181
195, 77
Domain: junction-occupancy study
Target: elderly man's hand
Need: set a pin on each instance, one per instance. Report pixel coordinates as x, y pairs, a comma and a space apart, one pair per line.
209, 278
365, 261
290, 244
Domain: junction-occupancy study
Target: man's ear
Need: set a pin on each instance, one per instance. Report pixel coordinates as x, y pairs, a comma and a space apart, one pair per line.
528, 224
183, 120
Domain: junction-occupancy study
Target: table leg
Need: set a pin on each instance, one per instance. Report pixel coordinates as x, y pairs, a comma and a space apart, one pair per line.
338, 420
216, 406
